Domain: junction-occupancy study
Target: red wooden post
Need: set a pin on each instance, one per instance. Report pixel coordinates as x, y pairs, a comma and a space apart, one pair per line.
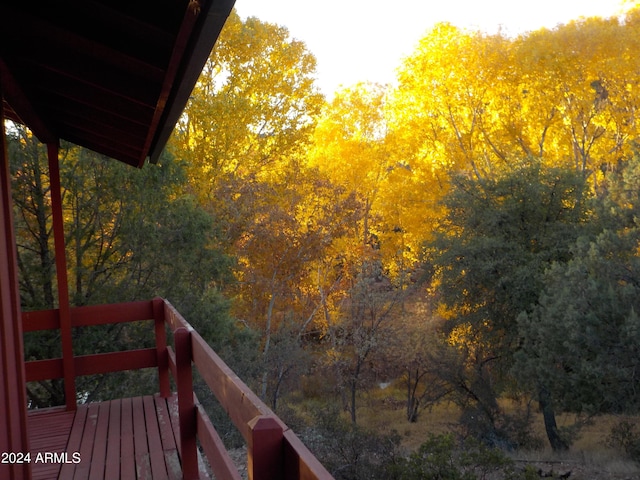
266, 453
186, 406
161, 347
13, 404
61, 274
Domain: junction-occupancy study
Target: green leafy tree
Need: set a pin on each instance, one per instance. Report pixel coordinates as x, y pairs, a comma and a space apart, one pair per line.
489, 258
581, 342
130, 235
34, 235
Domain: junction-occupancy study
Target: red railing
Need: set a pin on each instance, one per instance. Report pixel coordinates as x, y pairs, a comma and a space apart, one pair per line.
274, 451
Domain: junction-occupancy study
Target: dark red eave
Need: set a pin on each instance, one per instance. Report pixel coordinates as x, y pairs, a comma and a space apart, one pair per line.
112, 76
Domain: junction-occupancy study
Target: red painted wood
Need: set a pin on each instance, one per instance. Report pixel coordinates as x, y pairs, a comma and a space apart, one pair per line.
238, 400
161, 347
37, 370
87, 441
158, 437
112, 313
168, 440
171, 357
143, 463
186, 406
40, 320
49, 431
116, 361
173, 318
112, 464
127, 456
156, 454
90, 315
99, 455
215, 451
92, 364
61, 275
126, 439
300, 463
265, 449
75, 441
172, 408
13, 434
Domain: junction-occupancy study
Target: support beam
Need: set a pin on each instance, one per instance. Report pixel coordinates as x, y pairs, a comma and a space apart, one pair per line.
61, 274
13, 403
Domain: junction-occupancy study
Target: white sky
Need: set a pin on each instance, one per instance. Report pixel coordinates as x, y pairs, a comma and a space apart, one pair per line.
366, 40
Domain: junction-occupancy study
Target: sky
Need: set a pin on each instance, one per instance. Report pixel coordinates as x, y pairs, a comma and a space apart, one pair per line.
366, 40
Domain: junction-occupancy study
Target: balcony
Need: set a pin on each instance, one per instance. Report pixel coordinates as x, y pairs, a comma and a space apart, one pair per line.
166, 435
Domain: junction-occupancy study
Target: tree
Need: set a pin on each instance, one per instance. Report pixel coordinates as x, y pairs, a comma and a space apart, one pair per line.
283, 254
30, 188
489, 257
354, 148
446, 95
580, 343
251, 111
120, 223
361, 330
474, 103
243, 133
349, 146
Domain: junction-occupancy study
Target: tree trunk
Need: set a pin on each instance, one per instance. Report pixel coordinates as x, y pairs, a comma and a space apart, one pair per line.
549, 415
354, 389
412, 401
267, 341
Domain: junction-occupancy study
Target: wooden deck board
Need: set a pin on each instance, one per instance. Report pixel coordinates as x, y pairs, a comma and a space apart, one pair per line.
112, 468
75, 440
99, 456
156, 455
127, 458
87, 442
140, 445
133, 438
49, 431
167, 437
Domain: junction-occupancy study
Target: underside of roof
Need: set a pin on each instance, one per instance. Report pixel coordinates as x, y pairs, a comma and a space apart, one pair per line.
110, 75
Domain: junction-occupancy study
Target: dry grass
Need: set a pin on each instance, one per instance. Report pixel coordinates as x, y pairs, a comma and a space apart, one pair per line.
383, 410
589, 457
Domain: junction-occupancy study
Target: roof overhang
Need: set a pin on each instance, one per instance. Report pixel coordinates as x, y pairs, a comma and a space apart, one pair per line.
110, 75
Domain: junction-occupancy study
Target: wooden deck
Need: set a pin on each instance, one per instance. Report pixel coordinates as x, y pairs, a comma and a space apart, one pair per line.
154, 437
131, 438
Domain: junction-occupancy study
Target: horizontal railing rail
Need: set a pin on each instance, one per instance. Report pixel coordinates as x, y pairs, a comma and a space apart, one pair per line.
88, 316
274, 451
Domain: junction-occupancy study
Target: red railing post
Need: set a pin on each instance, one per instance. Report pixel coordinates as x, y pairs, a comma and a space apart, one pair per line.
266, 452
161, 347
186, 405
61, 275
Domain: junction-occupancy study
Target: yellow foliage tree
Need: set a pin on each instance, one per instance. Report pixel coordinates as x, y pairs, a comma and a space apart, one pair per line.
472, 102
252, 109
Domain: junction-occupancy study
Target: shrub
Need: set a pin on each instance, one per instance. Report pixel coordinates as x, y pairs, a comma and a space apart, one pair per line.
352, 452
441, 458
625, 438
